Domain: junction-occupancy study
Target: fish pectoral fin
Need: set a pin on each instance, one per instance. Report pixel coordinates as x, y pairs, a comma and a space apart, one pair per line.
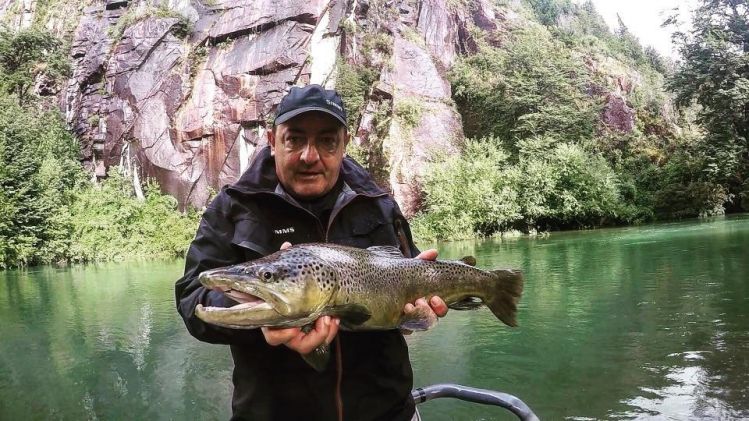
351, 314
386, 251
318, 358
421, 318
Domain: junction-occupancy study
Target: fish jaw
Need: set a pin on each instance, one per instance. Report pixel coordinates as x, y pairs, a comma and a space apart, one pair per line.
243, 287
257, 305
260, 303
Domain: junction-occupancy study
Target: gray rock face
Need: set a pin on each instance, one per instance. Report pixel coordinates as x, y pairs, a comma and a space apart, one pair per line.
425, 120
241, 17
190, 110
617, 114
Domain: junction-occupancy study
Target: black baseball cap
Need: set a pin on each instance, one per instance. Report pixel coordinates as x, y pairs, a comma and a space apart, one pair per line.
300, 100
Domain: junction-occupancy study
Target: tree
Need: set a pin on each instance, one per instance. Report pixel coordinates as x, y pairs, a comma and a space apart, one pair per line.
23, 56
715, 75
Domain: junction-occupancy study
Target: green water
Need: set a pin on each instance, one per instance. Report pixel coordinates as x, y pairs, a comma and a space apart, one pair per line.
646, 322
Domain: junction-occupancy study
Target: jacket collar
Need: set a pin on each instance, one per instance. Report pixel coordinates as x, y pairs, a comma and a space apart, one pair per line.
261, 177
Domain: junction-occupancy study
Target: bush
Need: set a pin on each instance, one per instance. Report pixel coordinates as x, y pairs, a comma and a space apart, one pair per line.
110, 223
51, 213
353, 84
551, 185
469, 194
38, 169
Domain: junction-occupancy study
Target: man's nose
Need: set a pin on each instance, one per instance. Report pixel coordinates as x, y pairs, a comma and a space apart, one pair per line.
310, 154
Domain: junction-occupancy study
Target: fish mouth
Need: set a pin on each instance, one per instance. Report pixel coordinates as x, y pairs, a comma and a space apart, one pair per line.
256, 306
245, 300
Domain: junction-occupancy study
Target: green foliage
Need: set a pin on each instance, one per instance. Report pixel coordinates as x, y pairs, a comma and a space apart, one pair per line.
551, 185
469, 194
135, 14
408, 111
38, 169
715, 75
51, 213
110, 223
561, 184
548, 12
380, 42
353, 84
531, 86
26, 54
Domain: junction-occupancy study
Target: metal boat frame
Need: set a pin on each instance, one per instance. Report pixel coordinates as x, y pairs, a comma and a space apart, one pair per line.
472, 394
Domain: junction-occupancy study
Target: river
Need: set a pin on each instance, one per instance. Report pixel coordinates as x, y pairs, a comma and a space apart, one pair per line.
628, 323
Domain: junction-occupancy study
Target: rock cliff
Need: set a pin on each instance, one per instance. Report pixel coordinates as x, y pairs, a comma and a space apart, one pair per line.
182, 90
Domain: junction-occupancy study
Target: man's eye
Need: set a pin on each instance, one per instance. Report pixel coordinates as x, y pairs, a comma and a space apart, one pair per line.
329, 144
295, 142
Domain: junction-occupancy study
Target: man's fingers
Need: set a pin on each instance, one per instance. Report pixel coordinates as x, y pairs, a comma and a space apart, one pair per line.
306, 343
438, 306
285, 245
275, 337
334, 323
430, 254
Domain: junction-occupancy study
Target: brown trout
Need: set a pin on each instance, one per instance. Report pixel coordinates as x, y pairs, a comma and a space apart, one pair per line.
365, 288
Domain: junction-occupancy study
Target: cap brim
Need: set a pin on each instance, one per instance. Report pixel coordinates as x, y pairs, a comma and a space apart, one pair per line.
293, 113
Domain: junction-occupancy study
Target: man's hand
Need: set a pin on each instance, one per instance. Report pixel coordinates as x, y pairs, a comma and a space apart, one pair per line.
324, 332
436, 304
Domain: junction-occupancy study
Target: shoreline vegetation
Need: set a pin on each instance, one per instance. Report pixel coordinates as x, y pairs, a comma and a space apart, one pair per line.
537, 158
544, 151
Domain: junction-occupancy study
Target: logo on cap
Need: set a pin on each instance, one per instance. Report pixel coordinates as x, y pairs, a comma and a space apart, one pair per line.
334, 104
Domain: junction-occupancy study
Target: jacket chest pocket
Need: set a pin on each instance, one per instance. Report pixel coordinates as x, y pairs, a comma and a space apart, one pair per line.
364, 231
252, 238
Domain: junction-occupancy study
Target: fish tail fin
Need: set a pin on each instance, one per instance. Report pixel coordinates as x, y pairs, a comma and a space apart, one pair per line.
503, 301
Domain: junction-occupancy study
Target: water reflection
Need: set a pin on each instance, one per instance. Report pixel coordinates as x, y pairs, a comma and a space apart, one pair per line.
628, 323
103, 342
601, 314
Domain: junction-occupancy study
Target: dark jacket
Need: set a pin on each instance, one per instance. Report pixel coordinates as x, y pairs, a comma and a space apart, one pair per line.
252, 218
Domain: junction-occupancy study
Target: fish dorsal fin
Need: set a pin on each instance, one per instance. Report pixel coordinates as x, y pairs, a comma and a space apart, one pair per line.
469, 260
386, 251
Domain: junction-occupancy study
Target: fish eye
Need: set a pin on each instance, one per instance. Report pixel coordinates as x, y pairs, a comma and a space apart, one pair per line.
266, 275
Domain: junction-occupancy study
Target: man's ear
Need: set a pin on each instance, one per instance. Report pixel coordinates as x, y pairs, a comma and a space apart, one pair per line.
271, 134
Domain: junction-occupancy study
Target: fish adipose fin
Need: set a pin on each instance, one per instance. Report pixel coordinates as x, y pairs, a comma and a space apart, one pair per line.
318, 358
386, 251
420, 319
503, 302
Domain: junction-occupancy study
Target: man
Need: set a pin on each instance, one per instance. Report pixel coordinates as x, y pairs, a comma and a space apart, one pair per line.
301, 189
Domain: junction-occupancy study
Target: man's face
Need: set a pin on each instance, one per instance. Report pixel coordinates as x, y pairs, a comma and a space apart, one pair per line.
309, 151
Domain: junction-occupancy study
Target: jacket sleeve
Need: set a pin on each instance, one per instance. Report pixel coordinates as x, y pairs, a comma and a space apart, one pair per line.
210, 249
